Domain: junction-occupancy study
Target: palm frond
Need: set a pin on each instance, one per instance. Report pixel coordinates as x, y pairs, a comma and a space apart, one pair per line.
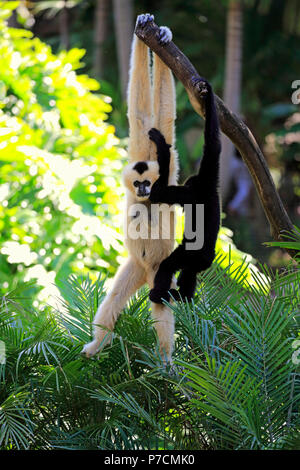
16, 428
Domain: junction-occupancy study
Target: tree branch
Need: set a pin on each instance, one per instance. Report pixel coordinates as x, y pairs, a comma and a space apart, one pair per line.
231, 125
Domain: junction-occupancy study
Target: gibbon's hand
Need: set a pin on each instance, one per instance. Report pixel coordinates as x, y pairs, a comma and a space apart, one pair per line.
158, 138
201, 84
142, 20
164, 35
157, 295
163, 149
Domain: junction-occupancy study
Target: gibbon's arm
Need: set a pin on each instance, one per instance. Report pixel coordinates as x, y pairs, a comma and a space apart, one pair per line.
209, 169
164, 98
139, 98
164, 103
163, 156
160, 191
170, 194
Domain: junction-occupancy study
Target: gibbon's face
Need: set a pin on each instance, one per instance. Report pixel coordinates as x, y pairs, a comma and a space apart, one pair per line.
139, 178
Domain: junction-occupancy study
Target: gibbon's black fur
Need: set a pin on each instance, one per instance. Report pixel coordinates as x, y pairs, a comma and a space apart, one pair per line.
198, 189
140, 167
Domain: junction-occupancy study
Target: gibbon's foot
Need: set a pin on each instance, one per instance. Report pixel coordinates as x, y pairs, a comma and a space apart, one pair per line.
175, 294
157, 295
186, 293
185, 296
164, 35
201, 84
176, 371
142, 20
90, 349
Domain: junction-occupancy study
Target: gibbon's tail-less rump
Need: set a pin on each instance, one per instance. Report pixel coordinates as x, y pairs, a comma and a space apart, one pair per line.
201, 188
149, 105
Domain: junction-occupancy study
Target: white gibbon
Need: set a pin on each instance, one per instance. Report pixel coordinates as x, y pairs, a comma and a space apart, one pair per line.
151, 103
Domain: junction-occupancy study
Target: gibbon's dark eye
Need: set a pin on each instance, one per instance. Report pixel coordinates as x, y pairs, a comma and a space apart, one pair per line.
136, 183
146, 183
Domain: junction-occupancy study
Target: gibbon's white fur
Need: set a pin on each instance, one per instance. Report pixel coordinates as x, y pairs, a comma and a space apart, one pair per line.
149, 105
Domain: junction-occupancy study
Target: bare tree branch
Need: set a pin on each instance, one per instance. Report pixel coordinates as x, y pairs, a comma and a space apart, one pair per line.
231, 125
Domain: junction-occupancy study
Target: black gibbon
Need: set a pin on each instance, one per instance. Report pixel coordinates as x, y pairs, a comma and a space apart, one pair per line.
149, 105
201, 188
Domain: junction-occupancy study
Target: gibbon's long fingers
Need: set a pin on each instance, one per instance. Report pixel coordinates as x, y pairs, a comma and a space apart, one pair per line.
164, 107
143, 19
129, 278
164, 35
139, 102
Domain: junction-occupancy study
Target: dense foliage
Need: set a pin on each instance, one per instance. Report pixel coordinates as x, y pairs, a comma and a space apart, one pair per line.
59, 164
234, 384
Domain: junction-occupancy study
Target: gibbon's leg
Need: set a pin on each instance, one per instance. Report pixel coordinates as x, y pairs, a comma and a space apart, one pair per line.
165, 326
139, 98
205, 259
186, 282
129, 278
164, 100
164, 323
164, 276
209, 168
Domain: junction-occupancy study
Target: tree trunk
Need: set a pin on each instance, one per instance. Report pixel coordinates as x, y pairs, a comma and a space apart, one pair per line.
231, 125
12, 20
64, 28
123, 14
100, 34
232, 88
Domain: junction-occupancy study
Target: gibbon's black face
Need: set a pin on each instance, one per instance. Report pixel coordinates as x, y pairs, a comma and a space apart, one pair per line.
143, 187
139, 178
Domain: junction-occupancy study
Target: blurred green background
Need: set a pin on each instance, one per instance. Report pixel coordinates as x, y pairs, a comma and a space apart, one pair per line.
63, 74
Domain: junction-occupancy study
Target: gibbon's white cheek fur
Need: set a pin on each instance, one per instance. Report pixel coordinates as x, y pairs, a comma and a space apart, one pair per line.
149, 105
